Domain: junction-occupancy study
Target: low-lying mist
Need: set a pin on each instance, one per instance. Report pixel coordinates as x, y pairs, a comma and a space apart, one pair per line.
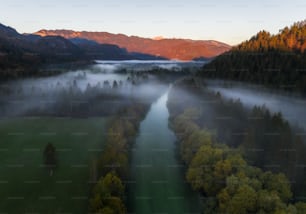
97, 89
141, 65
291, 107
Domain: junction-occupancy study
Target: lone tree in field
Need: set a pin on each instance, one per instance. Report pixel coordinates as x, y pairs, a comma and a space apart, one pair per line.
50, 160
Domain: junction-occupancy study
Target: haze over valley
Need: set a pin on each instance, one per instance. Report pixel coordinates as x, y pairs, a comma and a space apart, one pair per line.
98, 122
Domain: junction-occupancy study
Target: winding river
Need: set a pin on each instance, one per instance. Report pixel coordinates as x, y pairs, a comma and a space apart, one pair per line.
158, 179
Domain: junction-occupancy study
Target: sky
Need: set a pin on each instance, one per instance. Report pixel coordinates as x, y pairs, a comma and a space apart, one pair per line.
227, 21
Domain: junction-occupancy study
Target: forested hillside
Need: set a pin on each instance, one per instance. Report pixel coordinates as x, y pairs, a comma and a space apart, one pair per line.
277, 61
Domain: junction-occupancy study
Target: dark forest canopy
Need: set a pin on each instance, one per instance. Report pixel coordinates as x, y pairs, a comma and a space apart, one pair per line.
288, 39
277, 61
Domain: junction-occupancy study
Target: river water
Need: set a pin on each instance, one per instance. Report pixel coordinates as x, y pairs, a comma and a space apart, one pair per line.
158, 179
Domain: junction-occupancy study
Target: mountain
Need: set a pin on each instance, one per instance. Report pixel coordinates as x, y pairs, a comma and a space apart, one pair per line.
21, 55
94, 50
7, 31
53, 45
277, 61
183, 49
100, 51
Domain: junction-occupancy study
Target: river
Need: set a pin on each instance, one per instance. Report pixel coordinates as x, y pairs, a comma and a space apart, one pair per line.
157, 184
158, 179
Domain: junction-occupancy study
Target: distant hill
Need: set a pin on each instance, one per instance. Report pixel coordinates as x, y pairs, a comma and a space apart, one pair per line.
23, 54
94, 50
182, 49
277, 61
20, 55
54, 46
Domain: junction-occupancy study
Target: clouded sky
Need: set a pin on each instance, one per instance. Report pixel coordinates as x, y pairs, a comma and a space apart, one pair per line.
224, 20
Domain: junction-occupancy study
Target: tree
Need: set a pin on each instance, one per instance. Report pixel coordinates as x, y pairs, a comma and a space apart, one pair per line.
301, 207
247, 194
201, 170
113, 159
190, 146
50, 159
277, 183
269, 201
243, 201
115, 84
107, 195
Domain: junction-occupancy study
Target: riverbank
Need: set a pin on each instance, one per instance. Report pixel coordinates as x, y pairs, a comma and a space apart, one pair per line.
158, 184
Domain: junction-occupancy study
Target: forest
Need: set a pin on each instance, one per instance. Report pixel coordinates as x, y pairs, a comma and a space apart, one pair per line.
228, 160
276, 61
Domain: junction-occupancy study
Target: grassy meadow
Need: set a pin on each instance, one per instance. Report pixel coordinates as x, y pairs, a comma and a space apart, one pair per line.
26, 186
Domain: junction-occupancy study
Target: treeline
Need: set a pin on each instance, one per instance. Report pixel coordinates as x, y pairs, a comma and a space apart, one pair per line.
288, 39
108, 194
280, 70
225, 176
277, 61
70, 98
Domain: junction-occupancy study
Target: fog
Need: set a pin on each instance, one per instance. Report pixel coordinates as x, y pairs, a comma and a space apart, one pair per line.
105, 88
293, 108
126, 79
103, 84
141, 65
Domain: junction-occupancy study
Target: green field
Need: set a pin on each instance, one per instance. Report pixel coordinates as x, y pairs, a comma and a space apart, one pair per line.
25, 185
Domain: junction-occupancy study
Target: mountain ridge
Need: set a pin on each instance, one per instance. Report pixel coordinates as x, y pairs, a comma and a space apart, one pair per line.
170, 48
